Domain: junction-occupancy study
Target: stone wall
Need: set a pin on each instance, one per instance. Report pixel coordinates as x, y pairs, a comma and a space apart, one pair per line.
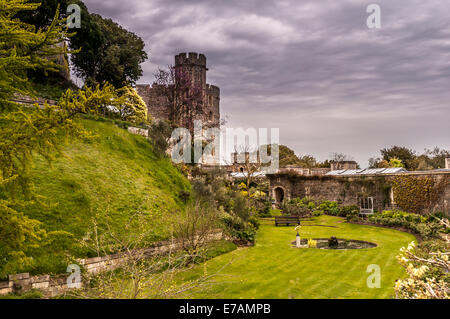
346, 190
212, 109
28, 101
158, 105
138, 131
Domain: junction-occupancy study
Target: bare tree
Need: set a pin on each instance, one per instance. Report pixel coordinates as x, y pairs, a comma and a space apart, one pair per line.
183, 94
197, 228
341, 157
135, 271
248, 159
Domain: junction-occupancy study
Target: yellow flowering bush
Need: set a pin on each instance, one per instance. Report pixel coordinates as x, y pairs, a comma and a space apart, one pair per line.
312, 243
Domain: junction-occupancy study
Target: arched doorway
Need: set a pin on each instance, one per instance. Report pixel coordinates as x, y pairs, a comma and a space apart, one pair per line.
279, 195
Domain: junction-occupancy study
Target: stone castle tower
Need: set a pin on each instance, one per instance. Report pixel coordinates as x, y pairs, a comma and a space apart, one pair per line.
194, 66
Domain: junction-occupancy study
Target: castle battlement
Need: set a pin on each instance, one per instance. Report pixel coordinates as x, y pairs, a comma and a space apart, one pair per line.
212, 89
160, 107
191, 59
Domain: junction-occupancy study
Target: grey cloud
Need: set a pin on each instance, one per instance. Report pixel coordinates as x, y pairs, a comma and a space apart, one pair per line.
311, 67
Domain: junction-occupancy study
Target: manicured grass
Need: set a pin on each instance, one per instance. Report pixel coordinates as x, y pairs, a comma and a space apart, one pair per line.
274, 269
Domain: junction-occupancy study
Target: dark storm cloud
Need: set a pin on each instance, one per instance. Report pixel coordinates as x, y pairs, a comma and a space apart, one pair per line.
311, 68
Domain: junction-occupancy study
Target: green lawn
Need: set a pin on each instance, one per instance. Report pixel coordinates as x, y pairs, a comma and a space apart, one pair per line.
274, 269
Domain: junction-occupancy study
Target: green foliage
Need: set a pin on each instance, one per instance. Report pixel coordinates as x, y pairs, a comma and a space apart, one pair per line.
287, 157
159, 134
306, 207
329, 207
333, 242
42, 17
395, 162
124, 104
416, 194
237, 218
22, 48
317, 212
109, 53
402, 154
302, 207
312, 243
131, 107
32, 294
241, 231
424, 226
398, 156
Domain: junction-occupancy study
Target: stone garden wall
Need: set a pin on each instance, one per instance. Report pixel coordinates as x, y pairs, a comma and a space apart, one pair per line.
346, 190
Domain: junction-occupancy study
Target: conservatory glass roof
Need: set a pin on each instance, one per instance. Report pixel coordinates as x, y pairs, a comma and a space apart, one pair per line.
367, 171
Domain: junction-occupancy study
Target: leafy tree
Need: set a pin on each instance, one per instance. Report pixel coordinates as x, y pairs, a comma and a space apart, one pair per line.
49, 83
430, 159
109, 53
132, 107
404, 154
287, 155
43, 16
395, 162
123, 103
308, 161
22, 49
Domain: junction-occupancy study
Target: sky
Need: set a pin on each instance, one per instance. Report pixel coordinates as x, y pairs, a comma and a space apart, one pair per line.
311, 68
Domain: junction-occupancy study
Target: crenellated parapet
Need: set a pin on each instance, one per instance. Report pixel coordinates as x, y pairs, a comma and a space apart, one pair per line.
190, 59
194, 65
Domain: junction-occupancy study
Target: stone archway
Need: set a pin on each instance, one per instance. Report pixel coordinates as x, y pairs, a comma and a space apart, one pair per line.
279, 195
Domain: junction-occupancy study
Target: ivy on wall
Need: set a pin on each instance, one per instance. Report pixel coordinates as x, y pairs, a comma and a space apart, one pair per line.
417, 194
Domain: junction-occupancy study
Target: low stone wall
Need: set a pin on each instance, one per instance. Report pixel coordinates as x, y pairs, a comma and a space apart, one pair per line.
138, 131
52, 286
28, 101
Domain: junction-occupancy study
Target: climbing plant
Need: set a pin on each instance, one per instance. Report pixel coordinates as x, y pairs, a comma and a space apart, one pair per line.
417, 194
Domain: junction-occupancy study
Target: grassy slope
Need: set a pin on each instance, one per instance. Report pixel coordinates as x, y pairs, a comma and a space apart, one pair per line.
274, 269
116, 172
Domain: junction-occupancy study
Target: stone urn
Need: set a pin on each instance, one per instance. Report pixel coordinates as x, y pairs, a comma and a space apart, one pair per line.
297, 240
